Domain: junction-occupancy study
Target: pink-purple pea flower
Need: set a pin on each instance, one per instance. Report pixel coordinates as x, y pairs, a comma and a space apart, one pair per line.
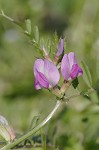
69, 67
46, 74
60, 48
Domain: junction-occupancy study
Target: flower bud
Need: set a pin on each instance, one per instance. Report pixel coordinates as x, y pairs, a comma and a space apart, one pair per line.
59, 52
69, 67
5, 130
60, 48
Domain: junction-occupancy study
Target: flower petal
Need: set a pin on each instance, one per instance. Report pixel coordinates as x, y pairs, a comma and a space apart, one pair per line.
72, 59
60, 47
41, 81
65, 67
38, 66
80, 72
3, 121
36, 84
51, 73
76, 71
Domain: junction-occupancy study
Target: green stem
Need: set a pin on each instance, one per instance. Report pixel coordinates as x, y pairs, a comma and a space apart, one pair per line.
89, 91
10, 19
2, 14
31, 132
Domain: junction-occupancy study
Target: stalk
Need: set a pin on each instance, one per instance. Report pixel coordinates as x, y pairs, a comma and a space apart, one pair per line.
32, 131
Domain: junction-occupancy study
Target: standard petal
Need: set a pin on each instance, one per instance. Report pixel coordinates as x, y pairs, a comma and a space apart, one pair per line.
72, 59
38, 66
60, 48
41, 81
51, 73
76, 71
65, 67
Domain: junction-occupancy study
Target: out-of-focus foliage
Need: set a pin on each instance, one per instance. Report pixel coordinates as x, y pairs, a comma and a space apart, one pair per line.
76, 127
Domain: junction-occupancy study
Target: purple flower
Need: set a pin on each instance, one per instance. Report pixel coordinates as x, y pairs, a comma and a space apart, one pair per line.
69, 67
46, 74
60, 48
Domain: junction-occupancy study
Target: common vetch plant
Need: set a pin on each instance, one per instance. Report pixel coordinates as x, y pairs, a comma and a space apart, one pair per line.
53, 64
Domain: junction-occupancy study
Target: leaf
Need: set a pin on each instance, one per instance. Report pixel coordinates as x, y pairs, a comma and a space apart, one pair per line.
28, 26
34, 121
42, 43
87, 75
55, 42
49, 46
97, 67
94, 97
56, 38
44, 141
85, 95
75, 83
65, 45
97, 85
36, 34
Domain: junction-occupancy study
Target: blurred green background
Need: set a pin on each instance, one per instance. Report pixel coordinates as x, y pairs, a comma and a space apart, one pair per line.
76, 125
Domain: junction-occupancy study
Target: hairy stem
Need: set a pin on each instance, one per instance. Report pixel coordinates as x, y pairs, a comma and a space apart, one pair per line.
31, 132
